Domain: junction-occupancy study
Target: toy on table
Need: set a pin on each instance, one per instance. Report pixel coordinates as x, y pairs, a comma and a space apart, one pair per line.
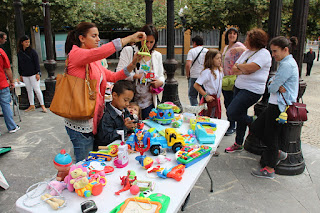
146, 162
56, 187
283, 117
187, 116
122, 160
111, 150
175, 172
98, 156
177, 121
54, 203
163, 114
99, 176
204, 135
98, 165
175, 108
190, 155
62, 163
144, 185
134, 190
198, 119
76, 172
162, 159
156, 202
126, 182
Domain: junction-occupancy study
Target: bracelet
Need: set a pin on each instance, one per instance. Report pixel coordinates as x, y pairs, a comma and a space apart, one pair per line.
205, 95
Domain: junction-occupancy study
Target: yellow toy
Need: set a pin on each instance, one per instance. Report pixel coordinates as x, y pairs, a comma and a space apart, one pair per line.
144, 51
283, 117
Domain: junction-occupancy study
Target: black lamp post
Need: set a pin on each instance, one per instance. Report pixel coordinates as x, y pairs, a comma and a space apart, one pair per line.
18, 18
183, 22
149, 11
170, 92
50, 64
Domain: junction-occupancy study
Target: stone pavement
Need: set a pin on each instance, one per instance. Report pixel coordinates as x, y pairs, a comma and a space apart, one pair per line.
42, 135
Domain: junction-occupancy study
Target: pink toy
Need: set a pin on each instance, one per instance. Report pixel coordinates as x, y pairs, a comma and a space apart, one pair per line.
55, 187
162, 159
74, 176
134, 190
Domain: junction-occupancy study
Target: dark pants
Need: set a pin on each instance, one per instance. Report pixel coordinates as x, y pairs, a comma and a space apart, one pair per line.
145, 112
267, 129
309, 66
238, 109
228, 96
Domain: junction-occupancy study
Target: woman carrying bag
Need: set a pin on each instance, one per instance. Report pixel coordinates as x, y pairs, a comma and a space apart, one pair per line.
82, 50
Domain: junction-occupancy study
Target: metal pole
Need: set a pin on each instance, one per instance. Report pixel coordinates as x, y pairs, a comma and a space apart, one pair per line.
182, 54
18, 18
170, 92
149, 11
50, 64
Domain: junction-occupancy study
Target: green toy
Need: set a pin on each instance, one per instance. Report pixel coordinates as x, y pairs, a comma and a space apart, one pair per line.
156, 202
144, 51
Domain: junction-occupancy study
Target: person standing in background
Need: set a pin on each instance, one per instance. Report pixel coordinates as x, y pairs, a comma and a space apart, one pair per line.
5, 97
310, 58
230, 55
29, 70
194, 65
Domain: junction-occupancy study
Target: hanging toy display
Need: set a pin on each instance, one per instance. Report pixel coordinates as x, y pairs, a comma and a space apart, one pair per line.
144, 51
283, 117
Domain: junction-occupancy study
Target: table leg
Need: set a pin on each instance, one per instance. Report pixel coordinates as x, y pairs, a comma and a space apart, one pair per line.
211, 189
185, 202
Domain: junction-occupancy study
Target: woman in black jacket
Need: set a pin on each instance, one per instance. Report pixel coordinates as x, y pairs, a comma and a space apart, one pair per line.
29, 70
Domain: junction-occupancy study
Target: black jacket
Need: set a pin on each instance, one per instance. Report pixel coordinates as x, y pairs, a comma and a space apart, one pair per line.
28, 62
310, 57
108, 126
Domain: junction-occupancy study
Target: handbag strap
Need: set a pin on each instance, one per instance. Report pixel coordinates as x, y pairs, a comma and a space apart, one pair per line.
197, 57
284, 99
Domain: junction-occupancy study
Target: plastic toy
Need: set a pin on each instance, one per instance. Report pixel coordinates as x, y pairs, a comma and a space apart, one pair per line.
98, 165
190, 155
162, 159
175, 108
126, 182
187, 116
62, 163
177, 121
175, 172
144, 185
146, 162
195, 109
157, 203
98, 155
198, 119
144, 51
141, 140
134, 190
98, 176
111, 150
54, 203
56, 187
122, 160
163, 114
283, 117
204, 136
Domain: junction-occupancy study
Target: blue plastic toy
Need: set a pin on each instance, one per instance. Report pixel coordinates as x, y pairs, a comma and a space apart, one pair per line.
163, 114
204, 136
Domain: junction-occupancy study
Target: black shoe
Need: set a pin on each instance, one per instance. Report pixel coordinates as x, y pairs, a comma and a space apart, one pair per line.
230, 132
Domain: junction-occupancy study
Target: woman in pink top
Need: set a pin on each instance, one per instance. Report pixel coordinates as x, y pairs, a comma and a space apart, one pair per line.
82, 48
230, 55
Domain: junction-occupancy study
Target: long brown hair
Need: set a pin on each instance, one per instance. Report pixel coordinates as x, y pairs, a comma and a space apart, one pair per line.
208, 61
73, 35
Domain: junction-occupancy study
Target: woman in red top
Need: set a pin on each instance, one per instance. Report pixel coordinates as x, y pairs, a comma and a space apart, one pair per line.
82, 49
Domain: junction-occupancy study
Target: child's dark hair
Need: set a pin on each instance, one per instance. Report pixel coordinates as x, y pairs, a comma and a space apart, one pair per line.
208, 61
73, 35
120, 86
2, 34
283, 42
22, 39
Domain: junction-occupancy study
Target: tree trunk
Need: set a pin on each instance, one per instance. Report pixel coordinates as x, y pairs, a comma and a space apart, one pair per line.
13, 46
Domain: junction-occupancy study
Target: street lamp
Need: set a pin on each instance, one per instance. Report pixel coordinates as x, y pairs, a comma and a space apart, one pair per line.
183, 21
50, 64
149, 11
19, 18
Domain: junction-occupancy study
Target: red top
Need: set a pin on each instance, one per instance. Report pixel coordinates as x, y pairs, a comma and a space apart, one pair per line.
4, 63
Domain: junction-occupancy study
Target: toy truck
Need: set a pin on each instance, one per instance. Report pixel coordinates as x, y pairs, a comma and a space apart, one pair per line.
171, 140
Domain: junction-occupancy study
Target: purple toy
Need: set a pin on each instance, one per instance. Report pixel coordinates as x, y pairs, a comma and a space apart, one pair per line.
55, 186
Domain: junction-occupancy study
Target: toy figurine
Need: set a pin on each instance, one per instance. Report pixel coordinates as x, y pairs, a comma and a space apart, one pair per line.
126, 182
283, 117
56, 187
62, 163
76, 171
146, 162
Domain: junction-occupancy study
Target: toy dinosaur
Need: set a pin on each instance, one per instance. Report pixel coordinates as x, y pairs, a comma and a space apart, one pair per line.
126, 182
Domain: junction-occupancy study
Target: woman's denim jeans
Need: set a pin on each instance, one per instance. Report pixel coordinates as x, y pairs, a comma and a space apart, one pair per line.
5, 99
82, 143
238, 109
228, 96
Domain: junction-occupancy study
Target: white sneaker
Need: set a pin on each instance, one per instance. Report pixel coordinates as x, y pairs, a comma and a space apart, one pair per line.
14, 130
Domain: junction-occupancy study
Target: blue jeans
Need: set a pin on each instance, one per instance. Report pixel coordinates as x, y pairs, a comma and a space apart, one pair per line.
5, 100
238, 109
228, 96
193, 93
82, 143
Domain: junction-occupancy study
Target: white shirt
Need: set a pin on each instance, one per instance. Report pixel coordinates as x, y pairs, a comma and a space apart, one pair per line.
198, 64
255, 82
211, 85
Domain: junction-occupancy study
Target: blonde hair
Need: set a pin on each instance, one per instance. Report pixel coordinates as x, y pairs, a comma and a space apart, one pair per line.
208, 61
